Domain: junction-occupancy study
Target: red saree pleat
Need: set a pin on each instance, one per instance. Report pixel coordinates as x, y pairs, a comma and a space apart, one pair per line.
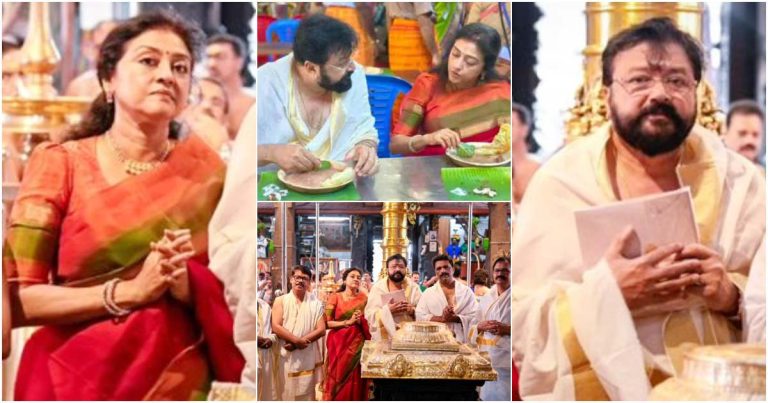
216, 323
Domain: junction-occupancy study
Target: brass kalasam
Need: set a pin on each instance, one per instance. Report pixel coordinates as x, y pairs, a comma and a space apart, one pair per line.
732, 372
424, 350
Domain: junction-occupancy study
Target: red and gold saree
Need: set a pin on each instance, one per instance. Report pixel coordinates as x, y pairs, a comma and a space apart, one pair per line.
345, 346
69, 227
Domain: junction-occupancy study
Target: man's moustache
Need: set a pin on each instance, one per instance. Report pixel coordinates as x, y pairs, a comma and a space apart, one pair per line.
748, 147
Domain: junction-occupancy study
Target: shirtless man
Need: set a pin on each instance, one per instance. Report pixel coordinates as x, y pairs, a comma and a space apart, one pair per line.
225, 57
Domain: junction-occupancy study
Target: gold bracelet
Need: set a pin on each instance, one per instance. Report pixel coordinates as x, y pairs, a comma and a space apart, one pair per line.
410, 145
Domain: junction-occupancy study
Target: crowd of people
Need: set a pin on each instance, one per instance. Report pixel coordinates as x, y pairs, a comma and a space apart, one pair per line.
310, 348
128, 244
314, 101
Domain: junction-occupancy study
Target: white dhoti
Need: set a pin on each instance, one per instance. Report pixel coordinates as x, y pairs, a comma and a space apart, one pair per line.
434, 301
754, 299
299, 370
266, 364
495, 306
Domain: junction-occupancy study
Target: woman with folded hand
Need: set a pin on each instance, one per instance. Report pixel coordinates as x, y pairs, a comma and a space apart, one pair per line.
107, 234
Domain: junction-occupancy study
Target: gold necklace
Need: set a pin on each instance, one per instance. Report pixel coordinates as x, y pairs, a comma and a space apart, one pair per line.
133, 167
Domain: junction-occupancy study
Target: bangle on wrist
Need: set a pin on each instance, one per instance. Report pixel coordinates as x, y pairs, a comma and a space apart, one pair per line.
108, 299
367, 143
410, 145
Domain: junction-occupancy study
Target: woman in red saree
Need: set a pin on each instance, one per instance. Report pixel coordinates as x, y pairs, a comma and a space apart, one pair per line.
462, 100
349, 330
107, 238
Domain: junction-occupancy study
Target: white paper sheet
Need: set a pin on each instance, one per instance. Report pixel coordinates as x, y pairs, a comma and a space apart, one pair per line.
658, 220
398, 296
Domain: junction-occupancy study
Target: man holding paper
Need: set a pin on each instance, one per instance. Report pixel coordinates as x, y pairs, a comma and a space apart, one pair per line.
613, 329
392, 300
448, 301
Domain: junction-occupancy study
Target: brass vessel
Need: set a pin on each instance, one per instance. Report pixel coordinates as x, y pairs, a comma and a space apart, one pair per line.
728, 372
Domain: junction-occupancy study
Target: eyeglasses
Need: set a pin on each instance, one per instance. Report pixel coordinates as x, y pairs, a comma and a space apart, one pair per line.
345, 67
301, 278
675, 84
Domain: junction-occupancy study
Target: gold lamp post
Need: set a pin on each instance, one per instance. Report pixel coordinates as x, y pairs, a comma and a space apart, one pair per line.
328, 283
605, 19
37, 114
396, 218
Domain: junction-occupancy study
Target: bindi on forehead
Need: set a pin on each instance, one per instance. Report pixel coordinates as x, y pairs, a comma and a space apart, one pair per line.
170, 53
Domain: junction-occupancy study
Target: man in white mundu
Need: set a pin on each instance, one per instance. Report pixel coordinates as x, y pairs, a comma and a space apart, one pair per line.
297, 320
448, 301
614, 329
491, 332
385, 317
265, 342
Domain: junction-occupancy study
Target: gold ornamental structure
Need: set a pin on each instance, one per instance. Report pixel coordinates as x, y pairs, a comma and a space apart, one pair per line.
605, 19
424, 350
396, 217
37, 114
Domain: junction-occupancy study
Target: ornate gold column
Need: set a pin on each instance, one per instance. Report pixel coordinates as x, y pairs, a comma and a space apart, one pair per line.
396, 218
605, 19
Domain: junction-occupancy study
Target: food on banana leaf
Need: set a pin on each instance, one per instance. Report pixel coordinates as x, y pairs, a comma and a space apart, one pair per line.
334, 175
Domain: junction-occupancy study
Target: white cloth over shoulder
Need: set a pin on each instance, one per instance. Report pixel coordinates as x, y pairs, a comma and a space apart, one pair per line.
280, 122
231, 246
299, 370
382, 323
754, 300
566, 311
434, 301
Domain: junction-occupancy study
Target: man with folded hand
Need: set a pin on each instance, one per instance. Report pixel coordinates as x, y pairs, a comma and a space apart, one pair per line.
297, 320
615, 329
448, 301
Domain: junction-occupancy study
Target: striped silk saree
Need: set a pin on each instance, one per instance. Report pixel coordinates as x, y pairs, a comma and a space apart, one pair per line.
70, 227
345, 347
475, 113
